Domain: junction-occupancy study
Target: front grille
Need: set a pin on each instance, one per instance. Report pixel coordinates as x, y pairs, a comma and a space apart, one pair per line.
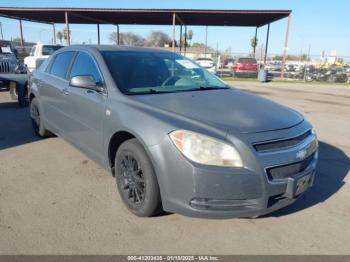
4, 67
289, 170
280, 144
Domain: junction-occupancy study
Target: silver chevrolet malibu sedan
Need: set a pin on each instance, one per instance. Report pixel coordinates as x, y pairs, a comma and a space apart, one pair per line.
175, 137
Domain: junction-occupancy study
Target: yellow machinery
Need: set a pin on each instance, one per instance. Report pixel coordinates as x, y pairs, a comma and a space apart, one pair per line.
331, 62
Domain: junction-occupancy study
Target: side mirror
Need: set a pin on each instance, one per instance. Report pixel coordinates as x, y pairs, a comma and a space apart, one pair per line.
87, 81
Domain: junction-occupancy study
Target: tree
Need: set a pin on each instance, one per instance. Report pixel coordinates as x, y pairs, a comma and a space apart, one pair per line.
17, 39
198, 45
65, 33
277, 58
59, 36
113, 38
158, 38
254, 43
189, 36
304, 57
201, 45
127, 39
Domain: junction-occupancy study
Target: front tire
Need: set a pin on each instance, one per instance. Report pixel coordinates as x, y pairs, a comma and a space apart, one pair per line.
37, 122
136, 180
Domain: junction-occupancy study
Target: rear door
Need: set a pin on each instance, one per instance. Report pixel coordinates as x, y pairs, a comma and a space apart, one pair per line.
86, 108
53, 92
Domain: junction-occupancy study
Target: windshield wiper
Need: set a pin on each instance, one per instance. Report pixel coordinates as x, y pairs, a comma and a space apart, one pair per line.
212, 87
155, 91
149, 91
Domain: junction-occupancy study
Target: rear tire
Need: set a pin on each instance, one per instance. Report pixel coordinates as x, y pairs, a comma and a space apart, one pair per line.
136, 180
37, 123
23, 100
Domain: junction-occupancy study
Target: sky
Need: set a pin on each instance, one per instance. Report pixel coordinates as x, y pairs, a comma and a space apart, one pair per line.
320, 25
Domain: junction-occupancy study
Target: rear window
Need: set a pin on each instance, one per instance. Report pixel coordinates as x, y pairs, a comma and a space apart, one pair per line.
61, 63
247, 60
49, 49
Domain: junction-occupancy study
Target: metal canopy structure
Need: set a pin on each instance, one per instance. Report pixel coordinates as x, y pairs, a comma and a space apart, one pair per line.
254, 18
184, 17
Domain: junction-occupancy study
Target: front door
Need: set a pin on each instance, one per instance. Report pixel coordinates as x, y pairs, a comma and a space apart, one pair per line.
86, 107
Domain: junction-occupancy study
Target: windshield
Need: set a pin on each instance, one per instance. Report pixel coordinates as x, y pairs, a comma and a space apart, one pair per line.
49, 49
158, 72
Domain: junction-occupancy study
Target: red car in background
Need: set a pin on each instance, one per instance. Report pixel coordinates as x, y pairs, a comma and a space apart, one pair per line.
245, 67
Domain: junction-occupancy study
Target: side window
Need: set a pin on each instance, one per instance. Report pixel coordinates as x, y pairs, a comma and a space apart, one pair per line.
85, 65
61, 63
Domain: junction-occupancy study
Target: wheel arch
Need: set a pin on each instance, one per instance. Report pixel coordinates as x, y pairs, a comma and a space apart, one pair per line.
31, 96
115, 141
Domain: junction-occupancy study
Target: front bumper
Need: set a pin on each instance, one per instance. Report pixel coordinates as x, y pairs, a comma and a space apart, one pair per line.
221, 192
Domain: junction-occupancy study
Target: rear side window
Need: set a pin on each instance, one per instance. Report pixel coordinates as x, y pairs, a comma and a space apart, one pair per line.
84, 65
61, 63
247, 60
32, 52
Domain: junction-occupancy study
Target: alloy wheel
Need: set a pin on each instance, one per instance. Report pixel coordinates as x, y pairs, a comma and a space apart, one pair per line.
132, 180
35, 115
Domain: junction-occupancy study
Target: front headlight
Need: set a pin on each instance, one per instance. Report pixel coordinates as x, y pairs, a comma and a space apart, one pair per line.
205, 150
313, 131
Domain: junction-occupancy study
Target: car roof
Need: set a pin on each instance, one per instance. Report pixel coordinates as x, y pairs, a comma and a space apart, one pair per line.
114, 48
245, 57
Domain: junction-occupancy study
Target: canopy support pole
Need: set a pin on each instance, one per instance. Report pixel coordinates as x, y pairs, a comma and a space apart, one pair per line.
206, 41
255, 37
174, 31
54, 33
67, 28
98, 34
2, 35
185, 40
21, 31
118, 40
180, 38
285, 50
267, 42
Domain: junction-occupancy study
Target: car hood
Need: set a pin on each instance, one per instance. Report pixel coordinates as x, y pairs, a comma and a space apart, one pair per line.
231, 110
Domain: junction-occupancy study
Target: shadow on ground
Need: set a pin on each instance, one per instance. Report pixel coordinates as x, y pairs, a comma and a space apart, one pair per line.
332, 168
15, 125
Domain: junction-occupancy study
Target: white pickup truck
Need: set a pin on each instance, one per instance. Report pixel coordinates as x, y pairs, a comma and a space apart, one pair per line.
38, 54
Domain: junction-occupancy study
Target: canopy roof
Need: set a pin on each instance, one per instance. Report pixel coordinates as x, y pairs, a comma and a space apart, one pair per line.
254, 18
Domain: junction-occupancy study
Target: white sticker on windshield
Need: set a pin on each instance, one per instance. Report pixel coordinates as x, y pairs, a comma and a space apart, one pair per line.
187, 64
6, 49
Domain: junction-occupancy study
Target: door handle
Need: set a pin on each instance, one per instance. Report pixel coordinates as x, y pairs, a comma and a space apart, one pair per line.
65, 91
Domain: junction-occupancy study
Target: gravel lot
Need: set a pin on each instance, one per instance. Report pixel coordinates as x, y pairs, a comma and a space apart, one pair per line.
54, 200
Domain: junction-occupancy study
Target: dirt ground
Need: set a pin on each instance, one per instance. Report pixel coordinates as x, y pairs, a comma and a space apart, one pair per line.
54, 200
